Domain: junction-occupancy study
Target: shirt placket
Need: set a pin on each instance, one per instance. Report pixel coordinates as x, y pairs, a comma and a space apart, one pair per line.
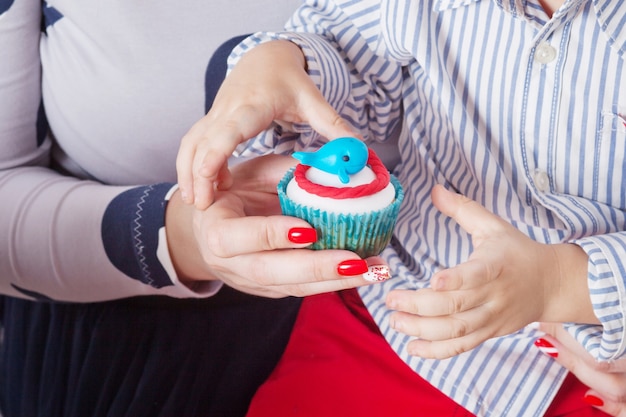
541, 111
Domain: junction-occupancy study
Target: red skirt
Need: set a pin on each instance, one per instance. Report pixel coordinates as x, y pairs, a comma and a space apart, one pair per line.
348, 369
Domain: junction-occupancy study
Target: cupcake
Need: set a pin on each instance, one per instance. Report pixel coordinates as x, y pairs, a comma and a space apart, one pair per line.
346, 193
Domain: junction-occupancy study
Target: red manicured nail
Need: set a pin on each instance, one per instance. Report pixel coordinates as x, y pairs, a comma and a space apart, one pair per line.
302, 235
593, 400
352, 267
546, 347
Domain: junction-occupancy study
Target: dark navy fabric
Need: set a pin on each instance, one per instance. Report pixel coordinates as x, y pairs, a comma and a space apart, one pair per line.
42, 124
140, 357
5, 5
50, 15
130, 228
216, 70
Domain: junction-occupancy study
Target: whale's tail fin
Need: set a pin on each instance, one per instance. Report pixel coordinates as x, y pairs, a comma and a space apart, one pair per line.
305, 158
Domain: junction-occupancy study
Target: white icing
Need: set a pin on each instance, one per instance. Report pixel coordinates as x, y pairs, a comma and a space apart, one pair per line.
374, 202
317, 176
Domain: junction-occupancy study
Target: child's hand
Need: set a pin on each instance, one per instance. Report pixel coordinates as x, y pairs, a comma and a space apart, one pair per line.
268, 84
508, 282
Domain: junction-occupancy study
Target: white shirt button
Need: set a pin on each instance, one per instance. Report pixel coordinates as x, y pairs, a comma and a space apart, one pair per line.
545, 53
542, 180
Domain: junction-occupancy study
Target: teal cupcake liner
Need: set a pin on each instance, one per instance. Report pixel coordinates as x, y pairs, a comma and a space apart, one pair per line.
367, 234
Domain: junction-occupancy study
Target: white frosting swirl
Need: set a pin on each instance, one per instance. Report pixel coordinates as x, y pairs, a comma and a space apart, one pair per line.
374, 202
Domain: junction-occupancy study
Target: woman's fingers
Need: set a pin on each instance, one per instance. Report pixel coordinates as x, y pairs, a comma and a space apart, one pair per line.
299, 272
607, 379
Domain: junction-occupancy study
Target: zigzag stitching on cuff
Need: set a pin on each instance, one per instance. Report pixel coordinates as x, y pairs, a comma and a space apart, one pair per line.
139, 246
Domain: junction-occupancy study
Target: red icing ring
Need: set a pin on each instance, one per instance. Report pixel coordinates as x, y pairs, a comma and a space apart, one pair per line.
373, 161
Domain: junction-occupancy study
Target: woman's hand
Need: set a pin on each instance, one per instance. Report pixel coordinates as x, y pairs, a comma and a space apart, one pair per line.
243, 241
607, 380
508, 282
268, 84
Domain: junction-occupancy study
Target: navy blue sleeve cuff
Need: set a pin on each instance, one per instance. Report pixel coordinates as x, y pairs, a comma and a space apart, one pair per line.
130, 233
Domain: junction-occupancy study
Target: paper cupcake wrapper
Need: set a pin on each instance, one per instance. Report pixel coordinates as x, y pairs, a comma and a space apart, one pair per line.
367, 234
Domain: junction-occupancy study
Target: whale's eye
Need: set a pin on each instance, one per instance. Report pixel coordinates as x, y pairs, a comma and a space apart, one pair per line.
346, 158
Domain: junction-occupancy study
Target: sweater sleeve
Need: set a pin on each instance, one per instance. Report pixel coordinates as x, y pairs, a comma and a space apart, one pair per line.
64, 238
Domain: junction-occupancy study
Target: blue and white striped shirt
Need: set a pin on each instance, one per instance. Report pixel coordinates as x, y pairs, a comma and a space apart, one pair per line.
521, 112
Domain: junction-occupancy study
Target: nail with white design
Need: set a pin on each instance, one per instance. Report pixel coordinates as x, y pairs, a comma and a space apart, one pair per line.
546, 347
377, 273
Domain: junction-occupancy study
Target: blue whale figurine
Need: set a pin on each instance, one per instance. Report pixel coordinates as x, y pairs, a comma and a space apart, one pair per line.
341, 156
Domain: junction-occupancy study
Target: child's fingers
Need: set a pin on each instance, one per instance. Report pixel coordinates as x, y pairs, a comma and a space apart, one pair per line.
202, 162
474, 273
470, 215
444, 349
205, 187
224, 178
429, 303
204, 192
205, 162
184, 171
323, 118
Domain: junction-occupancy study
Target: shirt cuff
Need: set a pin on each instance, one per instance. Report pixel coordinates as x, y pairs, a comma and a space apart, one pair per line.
605, 268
